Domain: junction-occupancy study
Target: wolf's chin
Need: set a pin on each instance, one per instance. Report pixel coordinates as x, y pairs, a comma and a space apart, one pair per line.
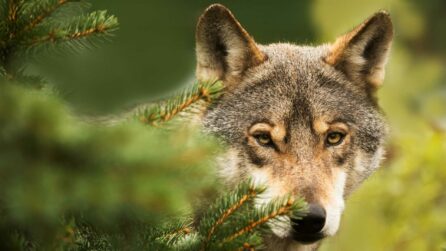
289, 243
308, 238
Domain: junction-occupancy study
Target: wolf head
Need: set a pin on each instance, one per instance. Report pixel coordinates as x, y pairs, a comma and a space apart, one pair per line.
300, 119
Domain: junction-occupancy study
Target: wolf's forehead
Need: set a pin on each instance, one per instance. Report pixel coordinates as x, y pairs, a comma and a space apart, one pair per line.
295, 57
292, 68
291, 104
295, 82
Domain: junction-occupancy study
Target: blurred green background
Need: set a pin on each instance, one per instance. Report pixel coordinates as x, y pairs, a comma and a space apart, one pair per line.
403, 206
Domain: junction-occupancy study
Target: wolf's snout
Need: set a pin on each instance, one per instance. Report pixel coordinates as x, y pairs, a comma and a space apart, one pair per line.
308, 229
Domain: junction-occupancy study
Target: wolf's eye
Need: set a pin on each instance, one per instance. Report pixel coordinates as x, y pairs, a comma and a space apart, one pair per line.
334, 138
263, 139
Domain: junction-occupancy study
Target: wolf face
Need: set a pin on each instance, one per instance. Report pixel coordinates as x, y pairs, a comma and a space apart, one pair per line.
300, 119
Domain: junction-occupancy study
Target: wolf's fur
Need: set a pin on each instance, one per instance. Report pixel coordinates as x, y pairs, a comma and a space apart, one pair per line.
296, 95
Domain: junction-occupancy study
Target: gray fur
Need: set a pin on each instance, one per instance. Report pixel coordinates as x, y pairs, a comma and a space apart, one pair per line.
293, 87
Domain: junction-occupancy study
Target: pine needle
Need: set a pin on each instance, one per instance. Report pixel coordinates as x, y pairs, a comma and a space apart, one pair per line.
97, 23
44, 10
227, 205
234, 222
28, 26
167, 110
282, 210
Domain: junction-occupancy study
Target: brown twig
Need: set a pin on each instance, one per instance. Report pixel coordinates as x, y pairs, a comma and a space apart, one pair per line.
36, 21
80, 34
13, 10
51, 36
227, 213
183, 230
280, 211
203, 94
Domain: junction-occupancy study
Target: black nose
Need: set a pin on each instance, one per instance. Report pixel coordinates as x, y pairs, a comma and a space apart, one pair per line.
312, 223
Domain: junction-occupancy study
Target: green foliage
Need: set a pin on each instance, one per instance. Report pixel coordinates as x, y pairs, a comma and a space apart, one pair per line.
189, 100
28, 26
74, 32
53, 163
233, 222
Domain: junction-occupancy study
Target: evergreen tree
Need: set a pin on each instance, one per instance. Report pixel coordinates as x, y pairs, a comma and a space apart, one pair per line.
72, 184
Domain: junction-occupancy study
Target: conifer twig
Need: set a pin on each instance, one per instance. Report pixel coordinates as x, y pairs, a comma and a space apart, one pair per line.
182, 230
13, 9
96, 23
167, 110
282, 210
24, 29
173, 232
252, 193
46, 13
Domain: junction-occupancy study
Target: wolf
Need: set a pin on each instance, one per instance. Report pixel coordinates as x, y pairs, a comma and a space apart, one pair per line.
303, 120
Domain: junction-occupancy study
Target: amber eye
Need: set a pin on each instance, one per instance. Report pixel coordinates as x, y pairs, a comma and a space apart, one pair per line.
334, 138
263, 139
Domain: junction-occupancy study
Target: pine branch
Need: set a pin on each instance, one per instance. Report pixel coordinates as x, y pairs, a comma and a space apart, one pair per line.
40, 10
88, 238
233, 222
249, 223
181, 236
9, 26
230, 211
225, 207
271, 211
14, 7
174, 232
98, 24
167, 110
12, 20
31, 25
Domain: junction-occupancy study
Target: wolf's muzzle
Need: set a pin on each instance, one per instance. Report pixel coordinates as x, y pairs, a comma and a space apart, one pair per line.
308, 229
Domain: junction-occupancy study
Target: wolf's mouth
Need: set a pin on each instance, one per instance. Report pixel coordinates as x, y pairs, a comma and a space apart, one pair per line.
308, 238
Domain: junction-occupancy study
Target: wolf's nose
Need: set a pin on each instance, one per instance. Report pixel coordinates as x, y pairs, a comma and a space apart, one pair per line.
312, 223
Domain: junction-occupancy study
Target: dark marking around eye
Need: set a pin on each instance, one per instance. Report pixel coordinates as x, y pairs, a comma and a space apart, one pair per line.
254, 158
286, 139
343, 158
340, 160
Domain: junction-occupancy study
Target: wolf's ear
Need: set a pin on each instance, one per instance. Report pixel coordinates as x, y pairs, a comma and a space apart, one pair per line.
224, 49
362, 53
